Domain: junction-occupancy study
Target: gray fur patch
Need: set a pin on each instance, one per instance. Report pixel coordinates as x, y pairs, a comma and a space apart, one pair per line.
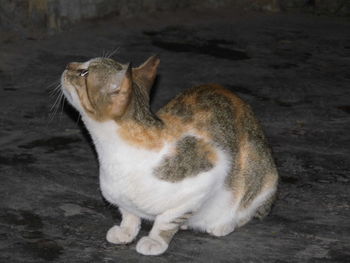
140, 109
189, 159
181, 109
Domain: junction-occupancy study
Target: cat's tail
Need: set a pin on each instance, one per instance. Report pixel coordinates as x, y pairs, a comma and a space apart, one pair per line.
265, 208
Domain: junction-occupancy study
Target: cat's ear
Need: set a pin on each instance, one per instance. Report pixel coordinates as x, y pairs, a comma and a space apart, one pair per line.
120, 97
126, 83
119, 78
146, 73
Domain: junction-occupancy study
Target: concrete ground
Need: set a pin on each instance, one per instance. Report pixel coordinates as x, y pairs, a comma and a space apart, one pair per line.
293, 69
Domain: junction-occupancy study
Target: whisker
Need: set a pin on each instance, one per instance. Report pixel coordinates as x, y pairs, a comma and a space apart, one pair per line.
55, 90
52, 115
56, 101
78, 119
103, 53
113, 52
57, 110
58, 86
54, 83
56, 106
62, 105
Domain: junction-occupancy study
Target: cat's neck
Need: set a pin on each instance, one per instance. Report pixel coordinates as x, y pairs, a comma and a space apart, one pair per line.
137, 120
139, 110
101, 132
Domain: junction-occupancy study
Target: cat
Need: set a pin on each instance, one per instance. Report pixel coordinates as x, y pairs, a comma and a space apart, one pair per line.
202, 162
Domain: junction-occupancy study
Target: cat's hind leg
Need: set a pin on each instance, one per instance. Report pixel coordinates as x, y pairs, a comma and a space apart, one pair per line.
265, 208
127, 231
224, 225
216, 216
259, 207
164, 228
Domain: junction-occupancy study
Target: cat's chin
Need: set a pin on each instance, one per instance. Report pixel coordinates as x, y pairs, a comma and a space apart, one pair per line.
67, 95
67, 91
70, 98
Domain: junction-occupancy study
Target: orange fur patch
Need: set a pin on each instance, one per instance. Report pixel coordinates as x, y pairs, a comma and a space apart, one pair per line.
153, 138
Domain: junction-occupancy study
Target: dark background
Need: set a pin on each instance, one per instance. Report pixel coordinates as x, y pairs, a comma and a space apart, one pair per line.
289, 59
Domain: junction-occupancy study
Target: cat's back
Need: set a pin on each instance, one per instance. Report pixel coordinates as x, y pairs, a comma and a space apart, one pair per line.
213, 111
202, 98
217, 114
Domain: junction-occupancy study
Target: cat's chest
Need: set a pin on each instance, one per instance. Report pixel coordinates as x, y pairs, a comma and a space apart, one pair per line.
127, 175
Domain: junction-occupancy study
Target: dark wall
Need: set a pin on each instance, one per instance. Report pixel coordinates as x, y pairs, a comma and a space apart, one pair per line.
35, 18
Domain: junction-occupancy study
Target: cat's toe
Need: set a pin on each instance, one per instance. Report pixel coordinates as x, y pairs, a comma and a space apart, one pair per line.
184, 227
221, 230
150, 246
118, 235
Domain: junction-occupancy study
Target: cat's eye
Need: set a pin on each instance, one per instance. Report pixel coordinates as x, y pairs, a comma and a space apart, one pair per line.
115, 92
83, 72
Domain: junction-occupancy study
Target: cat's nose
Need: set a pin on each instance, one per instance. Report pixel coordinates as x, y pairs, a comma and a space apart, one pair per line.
72, 66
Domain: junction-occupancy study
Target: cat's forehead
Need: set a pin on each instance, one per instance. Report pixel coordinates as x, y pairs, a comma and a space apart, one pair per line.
105, 63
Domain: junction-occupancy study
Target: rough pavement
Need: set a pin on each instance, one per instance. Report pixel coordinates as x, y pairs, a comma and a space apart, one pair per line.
293, 70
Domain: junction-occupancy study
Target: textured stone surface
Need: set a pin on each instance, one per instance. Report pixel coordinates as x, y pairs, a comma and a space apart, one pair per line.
37, 18
324, 7
292, 69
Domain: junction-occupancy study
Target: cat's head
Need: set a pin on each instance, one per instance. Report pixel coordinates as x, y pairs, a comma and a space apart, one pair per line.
101, 88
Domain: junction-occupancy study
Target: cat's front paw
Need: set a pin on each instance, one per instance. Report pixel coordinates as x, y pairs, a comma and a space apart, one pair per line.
221, 230
118, 235
184, 227
150, 246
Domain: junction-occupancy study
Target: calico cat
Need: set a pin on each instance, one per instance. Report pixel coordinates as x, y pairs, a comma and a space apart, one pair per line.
202, 162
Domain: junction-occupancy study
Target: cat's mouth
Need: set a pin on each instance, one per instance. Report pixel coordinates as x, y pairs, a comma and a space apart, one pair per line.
66, 89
